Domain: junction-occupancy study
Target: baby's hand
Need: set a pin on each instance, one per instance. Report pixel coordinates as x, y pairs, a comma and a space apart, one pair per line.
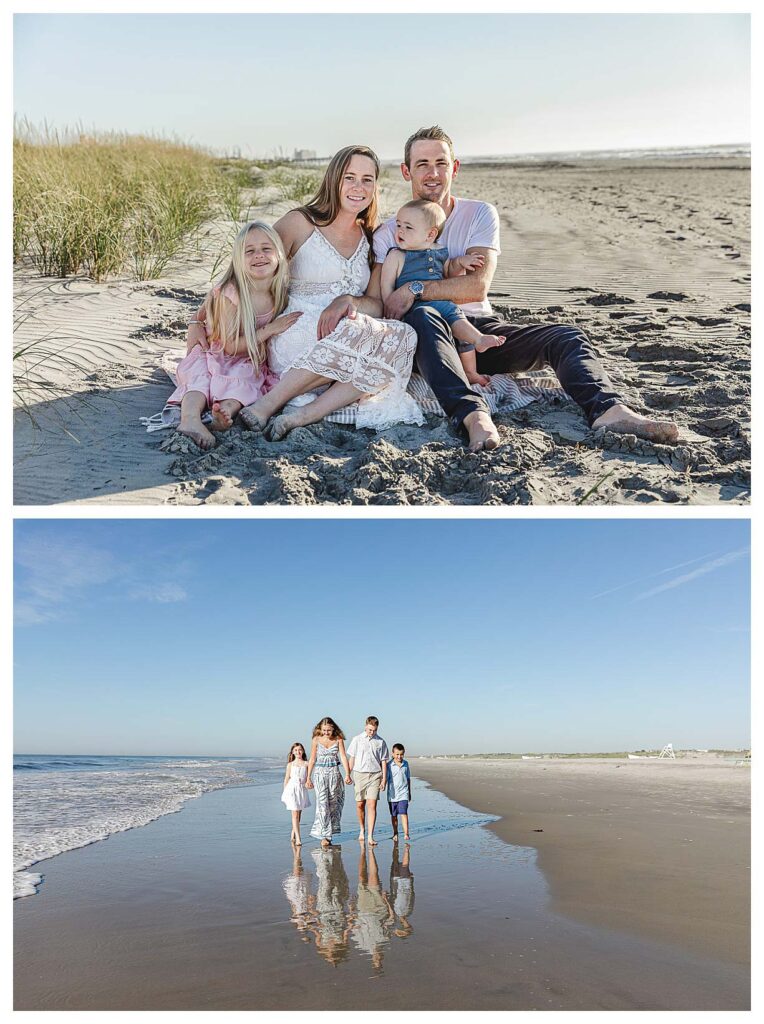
478, 378
472, 261
282, 323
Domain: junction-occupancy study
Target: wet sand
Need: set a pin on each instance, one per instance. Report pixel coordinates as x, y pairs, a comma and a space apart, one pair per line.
659, 848
210, 909
651, 260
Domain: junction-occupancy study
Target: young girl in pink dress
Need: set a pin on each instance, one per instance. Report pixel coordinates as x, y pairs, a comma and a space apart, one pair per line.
229, 369
295, 795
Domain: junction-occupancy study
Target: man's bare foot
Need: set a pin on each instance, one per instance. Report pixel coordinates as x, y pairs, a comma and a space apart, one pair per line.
372, 841
198, 433
621, 420
483, 435
221, 418
253, 419
280, 426
486, 341
479, 378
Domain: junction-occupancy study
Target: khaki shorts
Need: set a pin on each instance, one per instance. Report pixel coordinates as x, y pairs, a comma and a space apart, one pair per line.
367, 785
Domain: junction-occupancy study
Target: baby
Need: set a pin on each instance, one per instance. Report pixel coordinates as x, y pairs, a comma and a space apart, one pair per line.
416, 259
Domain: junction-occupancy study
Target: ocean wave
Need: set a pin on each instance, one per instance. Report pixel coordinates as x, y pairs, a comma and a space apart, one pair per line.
57, 811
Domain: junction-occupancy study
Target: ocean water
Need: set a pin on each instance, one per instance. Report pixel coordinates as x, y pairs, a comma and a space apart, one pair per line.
742, 152
61, 802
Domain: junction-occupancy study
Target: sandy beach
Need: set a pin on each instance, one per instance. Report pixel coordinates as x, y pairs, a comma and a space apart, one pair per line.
659, 848
210, 908
651, 259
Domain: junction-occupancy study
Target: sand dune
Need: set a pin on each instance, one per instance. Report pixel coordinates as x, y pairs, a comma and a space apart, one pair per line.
651, 260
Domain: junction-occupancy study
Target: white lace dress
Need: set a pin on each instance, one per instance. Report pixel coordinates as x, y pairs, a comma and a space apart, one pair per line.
373, 355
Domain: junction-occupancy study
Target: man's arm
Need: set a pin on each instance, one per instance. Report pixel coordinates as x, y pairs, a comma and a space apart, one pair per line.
472, 287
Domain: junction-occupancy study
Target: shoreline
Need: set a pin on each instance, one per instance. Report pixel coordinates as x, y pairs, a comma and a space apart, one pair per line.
658, 849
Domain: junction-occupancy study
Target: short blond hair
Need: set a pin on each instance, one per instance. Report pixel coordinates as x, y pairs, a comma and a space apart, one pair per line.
435, 133
434, 215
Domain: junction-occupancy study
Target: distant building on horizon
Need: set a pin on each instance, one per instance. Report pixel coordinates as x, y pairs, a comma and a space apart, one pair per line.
304, 154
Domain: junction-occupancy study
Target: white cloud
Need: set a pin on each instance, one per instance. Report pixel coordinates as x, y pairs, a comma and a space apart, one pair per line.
703, 570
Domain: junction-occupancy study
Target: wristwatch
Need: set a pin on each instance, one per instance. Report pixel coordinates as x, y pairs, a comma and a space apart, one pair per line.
416, 288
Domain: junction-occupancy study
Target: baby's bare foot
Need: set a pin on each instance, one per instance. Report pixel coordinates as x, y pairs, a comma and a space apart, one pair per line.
622, 420
486, 341
198, 433
479, 378
221, 418
483, 435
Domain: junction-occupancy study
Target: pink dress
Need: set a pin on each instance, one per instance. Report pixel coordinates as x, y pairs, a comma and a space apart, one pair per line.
218, 375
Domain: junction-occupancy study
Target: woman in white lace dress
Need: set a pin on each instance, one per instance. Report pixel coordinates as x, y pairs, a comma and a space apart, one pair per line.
337, 341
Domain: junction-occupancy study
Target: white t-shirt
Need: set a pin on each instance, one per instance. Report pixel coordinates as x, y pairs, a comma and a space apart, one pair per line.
470, 223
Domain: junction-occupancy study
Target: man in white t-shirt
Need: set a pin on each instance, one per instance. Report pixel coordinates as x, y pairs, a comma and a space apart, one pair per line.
473, 227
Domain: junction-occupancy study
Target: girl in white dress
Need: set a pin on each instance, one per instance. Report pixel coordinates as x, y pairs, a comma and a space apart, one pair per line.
295, 795
337, 341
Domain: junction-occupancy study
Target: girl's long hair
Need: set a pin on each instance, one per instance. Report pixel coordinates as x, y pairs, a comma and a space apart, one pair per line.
227, 328
337, 734
291, 752
325, 204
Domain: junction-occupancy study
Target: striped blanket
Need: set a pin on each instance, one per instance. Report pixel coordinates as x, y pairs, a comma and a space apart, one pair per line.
506, 393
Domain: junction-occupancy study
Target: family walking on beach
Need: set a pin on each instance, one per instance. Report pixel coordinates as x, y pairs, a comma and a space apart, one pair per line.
366, 764
328, 308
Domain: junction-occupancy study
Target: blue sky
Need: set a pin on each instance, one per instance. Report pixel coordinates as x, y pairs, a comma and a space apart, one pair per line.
235, 637
508, 83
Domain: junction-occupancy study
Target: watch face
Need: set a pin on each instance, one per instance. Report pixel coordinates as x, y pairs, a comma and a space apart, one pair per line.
416, 287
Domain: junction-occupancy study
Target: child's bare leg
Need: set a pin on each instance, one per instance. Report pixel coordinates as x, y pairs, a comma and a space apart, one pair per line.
297, 840
469, 362
464, 331
192, 406
295, 826
293, 383
335, 397
394, 822
371, 819
360, 809
224, 413
405, 823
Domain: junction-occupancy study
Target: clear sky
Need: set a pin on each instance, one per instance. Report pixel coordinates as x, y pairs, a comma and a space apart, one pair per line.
236, 636
499, 84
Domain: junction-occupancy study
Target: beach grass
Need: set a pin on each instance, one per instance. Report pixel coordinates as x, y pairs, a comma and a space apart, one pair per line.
100, 205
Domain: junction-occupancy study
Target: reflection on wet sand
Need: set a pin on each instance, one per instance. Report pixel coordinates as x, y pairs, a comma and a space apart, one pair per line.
371, 918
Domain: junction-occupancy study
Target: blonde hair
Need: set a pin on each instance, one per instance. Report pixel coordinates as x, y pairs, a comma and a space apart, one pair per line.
325, 204
227, 328
337, 733
434, 215
435, 134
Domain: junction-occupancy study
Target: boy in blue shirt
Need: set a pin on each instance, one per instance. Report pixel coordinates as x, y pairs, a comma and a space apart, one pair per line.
399, 791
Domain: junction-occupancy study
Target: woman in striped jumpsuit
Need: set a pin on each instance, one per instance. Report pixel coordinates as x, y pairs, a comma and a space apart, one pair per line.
327, 752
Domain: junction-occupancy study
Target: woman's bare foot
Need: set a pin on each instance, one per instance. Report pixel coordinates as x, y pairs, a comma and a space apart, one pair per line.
371, 841
197, 432
483, 435
361, 836
326, 842
280, 426
486, 341
621, 420
223, 414
253, 418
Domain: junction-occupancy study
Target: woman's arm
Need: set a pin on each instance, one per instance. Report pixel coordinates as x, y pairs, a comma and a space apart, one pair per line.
344, 759
311, 763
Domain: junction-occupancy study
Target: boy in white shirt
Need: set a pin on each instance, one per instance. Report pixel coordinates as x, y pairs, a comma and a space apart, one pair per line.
368, 757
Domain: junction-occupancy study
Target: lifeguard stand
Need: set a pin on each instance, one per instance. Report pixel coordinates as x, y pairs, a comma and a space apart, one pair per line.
668, 751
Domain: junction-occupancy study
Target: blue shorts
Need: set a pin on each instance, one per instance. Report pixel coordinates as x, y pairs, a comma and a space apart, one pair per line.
398, 807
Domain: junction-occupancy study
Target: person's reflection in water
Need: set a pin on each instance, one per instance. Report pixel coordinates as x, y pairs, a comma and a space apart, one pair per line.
297, 888
374, 915
402, 891
331, 922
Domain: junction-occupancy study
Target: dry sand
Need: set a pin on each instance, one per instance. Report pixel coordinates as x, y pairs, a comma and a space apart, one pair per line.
659, 848
652, 260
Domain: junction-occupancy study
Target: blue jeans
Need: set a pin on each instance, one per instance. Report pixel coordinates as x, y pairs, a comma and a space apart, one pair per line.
528, 347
